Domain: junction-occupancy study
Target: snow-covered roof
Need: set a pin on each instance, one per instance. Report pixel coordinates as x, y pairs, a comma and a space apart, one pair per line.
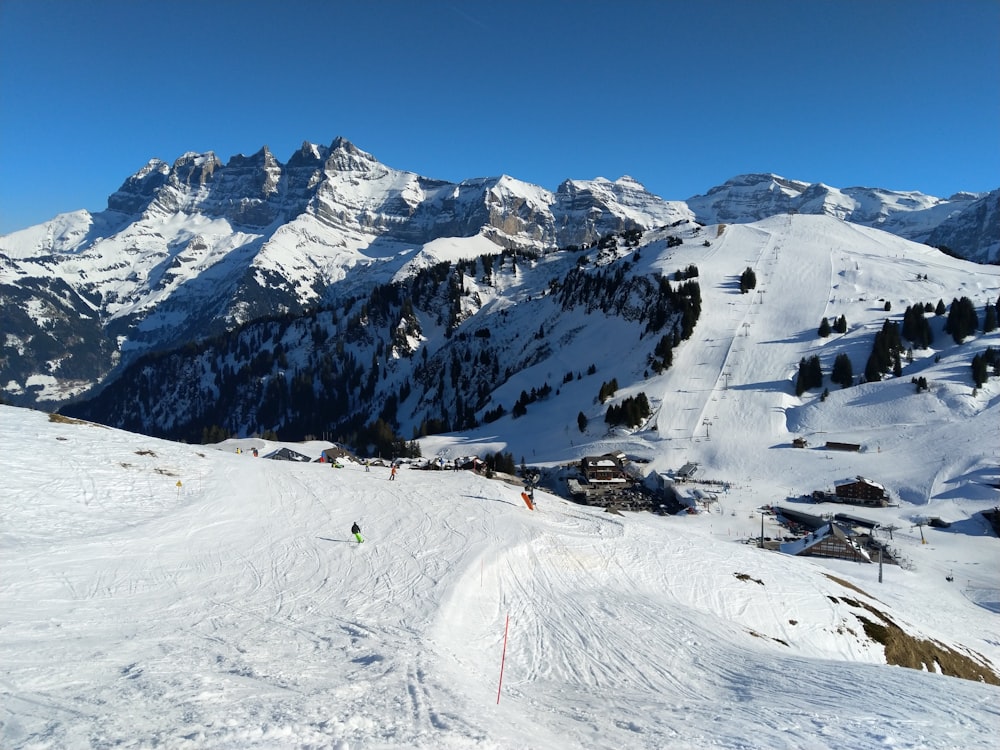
806, 543
861, 480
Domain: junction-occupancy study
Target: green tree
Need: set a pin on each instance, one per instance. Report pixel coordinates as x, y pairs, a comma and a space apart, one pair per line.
810, 375
824, 328
873, 368
502, 462
980, 372
962, 319
842, 373
990, 319
916, 328
663, 354
607, 390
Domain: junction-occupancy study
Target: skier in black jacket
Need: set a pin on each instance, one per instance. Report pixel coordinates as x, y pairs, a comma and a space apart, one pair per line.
356, 530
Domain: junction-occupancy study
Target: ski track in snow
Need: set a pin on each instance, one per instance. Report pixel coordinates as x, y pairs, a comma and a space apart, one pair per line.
161, 595
236, 611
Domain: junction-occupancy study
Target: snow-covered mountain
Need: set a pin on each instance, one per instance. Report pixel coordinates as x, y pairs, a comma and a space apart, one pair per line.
161, 594
196, 248
972, 233
156, 593
189, 250
967, 224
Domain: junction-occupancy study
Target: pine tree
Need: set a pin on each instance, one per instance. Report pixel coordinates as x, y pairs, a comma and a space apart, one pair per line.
873, 368
800, 379
916, 328
607, 390
815, 372
842, 373
989, 319
963, 321
810, 375
520, 409
980, 373
824, 328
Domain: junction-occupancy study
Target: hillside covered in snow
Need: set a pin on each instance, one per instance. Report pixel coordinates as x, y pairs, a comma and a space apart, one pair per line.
198, 248
160, 594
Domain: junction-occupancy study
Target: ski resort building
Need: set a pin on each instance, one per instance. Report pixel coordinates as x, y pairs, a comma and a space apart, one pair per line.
606, 469
287, 454
862, 491
827, 541
687, 471
851, 447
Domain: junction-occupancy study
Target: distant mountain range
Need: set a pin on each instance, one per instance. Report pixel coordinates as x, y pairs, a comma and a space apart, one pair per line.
966, 225
201, 249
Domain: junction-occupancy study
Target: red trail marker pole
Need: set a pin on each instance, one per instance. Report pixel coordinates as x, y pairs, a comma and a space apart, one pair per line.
503, 657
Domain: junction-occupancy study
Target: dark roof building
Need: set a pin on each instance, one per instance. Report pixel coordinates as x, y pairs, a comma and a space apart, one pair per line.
862, 491
604, 469
287, 454
827, 541
687, 471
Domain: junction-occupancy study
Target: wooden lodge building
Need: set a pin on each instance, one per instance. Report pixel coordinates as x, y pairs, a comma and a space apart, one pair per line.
606, 469
850, 447
827, 541
862, 491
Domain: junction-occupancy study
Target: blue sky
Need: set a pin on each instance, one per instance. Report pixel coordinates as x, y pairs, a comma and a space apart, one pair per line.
900, 94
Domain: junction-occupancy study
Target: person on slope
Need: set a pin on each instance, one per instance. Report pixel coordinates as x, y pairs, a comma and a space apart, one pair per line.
356, 530
392, 473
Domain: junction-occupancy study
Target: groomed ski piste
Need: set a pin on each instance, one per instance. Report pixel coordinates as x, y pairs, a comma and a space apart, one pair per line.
155, 594
164, 595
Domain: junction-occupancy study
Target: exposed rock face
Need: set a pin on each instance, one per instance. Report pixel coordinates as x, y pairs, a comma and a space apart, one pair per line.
974, 232
140, 189
756, 196
190, 249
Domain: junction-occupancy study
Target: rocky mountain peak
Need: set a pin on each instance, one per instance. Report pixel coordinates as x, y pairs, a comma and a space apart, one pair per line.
194, 169
138, 190
308, 155
346, 157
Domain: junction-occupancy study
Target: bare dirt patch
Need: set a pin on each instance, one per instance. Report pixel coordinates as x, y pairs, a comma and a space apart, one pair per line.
905, 650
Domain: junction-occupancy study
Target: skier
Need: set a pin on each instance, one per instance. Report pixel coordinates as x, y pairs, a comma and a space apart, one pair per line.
392, 473
356, 530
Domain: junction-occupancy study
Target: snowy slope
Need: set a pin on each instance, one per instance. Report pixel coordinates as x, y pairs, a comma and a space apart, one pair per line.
728, 401
189, 250
159, 594
908, 214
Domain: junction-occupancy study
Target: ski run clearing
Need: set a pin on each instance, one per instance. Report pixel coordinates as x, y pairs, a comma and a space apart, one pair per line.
164, 595
161, 595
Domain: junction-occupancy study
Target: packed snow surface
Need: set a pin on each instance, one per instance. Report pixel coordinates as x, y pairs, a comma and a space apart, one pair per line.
155, 594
